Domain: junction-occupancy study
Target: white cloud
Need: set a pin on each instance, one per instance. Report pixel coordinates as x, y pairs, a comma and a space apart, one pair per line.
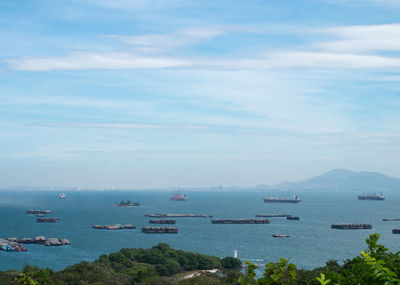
94, 60
359, 39
120, 126
136, 5
180, 38
352, 47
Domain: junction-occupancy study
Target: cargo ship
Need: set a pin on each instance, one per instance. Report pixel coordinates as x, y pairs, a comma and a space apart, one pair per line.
371, 196
126, 203
177, 196
282, 199
159, 230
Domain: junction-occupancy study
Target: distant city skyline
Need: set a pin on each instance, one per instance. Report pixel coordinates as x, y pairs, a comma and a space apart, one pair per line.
154, 93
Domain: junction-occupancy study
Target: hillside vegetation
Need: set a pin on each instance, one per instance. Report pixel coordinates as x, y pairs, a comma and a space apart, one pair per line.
161, 264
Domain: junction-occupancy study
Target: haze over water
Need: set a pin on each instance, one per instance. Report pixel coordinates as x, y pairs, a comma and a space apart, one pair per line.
311, 244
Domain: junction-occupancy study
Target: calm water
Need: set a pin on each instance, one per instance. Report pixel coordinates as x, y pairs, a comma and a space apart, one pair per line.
312, 241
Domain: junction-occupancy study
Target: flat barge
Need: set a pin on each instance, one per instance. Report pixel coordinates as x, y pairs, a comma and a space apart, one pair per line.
42, 212
162, 221
177, 216
47, 220
274, 216
240, 221
391, 219
352, 226
114, 227
159, 230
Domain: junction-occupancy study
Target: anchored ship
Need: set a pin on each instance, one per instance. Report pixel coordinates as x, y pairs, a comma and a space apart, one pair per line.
371, 196
126, 203
177, 196
282, 199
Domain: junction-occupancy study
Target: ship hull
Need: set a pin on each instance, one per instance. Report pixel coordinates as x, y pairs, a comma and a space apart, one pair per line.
371, 198
281, 201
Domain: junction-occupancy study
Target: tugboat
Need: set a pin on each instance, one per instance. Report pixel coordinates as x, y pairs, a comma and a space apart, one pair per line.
62, 196
371, 196
282, 199
177, 196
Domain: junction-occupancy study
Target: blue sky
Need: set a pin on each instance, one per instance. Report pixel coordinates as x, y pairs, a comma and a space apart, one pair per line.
154, 93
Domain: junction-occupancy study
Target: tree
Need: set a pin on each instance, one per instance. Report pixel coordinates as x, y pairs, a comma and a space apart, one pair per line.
280, 273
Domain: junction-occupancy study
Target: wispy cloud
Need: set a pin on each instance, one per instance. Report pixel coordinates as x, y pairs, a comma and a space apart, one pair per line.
94, 60
360, 39
161, 42
347, 47
120, 126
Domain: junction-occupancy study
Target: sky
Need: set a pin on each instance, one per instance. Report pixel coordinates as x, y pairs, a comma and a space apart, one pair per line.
189, 93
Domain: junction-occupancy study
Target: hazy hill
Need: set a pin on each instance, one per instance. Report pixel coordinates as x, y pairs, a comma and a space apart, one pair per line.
341, 179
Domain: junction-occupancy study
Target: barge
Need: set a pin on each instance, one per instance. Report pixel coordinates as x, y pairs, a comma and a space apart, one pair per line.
162, 221
273, 216
177, 216
39, 240
391, 219
114, 227
352, 226
294, 218
7, 245
47, 220
240, 221
15, 244
36, 212
159, 230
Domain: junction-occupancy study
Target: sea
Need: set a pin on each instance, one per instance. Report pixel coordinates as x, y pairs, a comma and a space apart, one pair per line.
312, 242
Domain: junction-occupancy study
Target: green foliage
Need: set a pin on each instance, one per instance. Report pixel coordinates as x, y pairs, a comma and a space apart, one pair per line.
380, 271
25, 280
231, 263
322, 279
250, 276
280, 273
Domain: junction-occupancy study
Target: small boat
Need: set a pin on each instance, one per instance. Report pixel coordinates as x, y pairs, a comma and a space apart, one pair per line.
62, 196
280, 236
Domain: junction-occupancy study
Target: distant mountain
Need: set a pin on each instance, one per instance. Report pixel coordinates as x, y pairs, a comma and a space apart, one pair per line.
341, 179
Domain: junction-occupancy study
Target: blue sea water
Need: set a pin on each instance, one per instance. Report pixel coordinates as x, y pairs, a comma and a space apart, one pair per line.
311, 244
